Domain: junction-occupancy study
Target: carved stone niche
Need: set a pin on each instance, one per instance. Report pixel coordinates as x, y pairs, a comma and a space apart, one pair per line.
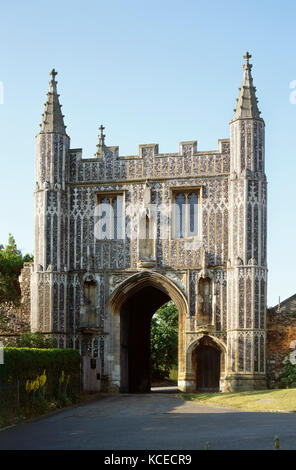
146, 234
88, 308
204, 317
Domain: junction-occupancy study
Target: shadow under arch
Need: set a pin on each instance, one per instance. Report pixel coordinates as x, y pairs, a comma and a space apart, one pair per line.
134, 302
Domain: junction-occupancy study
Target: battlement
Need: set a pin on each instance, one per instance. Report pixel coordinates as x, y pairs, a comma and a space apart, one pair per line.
146, 151
108, 165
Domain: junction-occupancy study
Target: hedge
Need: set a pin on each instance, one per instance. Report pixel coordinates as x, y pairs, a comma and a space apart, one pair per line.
26, 364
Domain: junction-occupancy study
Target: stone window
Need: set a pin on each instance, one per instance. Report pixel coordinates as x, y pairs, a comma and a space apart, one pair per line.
109, 217
185, 213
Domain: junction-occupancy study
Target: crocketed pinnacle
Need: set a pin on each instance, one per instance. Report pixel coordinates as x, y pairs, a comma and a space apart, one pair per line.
247, 106
52, 118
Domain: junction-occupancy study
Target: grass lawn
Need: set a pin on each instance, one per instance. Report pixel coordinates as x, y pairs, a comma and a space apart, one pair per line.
259, 400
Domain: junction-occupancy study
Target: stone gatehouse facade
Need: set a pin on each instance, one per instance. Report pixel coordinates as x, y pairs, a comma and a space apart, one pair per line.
118, 236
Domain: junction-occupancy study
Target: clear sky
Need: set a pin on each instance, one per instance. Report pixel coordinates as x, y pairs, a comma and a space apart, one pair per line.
152, 72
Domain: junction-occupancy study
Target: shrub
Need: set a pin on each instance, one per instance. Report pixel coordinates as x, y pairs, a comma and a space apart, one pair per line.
34, 340
31, 377
288, 375
23, 363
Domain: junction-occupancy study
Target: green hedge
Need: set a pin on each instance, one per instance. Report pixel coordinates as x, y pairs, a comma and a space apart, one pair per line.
26, 364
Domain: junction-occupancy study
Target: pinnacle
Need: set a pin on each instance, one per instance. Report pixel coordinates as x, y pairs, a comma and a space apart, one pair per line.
246, 106
54, 122
101, 141
101, 136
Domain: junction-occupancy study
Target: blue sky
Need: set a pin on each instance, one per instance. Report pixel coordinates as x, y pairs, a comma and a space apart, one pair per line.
152, 72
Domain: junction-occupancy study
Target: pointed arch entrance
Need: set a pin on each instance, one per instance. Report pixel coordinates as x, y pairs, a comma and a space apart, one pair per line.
206, 359
208, 367
134, 302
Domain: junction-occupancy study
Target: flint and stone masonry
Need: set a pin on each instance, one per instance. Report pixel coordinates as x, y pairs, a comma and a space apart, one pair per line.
96, 289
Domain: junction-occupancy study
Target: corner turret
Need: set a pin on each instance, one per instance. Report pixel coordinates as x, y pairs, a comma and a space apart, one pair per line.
51, 216
247, 270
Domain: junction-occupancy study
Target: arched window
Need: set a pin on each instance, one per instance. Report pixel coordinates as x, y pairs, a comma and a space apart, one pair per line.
180, 215
109, 217
185, 214
193, 214
105, 214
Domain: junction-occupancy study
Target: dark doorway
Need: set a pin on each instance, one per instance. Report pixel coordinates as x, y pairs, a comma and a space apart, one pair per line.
135, 324
208, 369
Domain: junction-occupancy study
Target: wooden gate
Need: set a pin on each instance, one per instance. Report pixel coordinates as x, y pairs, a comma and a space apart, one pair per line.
208, 369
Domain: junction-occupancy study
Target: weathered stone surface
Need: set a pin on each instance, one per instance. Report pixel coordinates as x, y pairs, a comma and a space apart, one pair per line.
216, 277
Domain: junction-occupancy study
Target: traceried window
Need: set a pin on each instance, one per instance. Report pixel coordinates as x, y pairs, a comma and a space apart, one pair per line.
109, 217
185, 213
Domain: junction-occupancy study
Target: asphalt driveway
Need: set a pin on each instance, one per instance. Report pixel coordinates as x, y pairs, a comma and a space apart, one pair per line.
161, 421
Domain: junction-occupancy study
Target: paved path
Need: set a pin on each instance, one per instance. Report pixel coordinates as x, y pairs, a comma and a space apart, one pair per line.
158, 421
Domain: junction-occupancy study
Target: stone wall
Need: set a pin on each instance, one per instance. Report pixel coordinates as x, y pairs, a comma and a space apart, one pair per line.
281, 338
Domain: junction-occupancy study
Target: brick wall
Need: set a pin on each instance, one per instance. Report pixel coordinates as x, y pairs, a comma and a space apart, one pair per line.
281, 338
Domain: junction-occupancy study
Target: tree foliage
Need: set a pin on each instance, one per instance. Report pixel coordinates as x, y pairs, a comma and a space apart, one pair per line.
11, 263
288, 375
33, 340
164, 340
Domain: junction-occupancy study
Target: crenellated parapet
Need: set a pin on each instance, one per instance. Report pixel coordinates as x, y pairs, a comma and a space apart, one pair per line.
149, 163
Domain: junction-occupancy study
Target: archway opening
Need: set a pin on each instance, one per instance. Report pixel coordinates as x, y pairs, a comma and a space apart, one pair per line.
135, 327
207, 365
164, 346
133, 304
